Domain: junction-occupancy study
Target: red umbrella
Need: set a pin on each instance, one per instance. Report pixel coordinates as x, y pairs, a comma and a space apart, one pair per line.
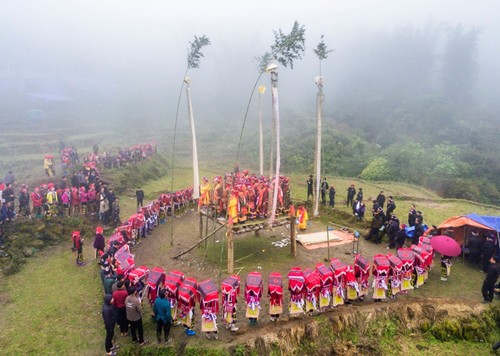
446, 245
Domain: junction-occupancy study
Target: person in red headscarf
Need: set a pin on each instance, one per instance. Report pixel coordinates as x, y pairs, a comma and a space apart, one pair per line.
78, 247
99, 242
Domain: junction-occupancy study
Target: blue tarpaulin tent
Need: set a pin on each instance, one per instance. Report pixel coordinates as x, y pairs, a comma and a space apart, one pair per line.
492, 222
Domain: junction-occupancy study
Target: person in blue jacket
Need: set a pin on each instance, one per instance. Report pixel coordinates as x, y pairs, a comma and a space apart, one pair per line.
163, 316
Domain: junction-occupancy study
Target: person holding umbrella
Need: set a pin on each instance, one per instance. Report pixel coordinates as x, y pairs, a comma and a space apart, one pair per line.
448, 248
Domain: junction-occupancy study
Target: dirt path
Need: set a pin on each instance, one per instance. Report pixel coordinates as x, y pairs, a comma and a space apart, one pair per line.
203, 263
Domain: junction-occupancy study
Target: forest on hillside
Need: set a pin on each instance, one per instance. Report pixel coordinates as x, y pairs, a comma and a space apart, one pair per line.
413, 111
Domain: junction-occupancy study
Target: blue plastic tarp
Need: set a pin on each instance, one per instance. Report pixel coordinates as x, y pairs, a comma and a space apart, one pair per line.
410, 230
492, 222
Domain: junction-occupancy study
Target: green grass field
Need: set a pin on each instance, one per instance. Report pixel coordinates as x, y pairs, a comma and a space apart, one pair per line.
51, 307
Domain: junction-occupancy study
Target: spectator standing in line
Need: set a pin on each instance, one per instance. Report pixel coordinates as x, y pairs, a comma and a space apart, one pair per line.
419, 231
109, 317
10, 178
359, 197
119, 296
163, 316
139, 194
108, 282
381, 199
351, 193
24, 203
331, 193
324, 189
134, 316
99, 242
412, 215
391, 206
8, 195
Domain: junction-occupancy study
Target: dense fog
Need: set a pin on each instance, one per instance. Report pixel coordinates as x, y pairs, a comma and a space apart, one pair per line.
132, 55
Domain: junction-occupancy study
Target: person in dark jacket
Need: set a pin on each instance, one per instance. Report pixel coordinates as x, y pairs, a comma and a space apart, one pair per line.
351, 193
310, 185
139, 194
400, 237
377, 223
163, 316
109, 317
331, 195
392, 230
412, 216
475, 248
381, 199
488, 289
359, 196
419, 231
489, 249
391, 206
99, 242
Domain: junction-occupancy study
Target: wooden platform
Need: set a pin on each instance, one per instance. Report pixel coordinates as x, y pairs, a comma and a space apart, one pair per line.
251, 225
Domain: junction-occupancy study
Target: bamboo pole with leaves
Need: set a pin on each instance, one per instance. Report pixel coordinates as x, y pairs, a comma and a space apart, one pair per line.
262, 63
262, 90
322, 52
193, 61
286, 49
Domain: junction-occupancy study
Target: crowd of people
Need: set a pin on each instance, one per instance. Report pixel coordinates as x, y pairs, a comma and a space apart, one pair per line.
242, 196
172, 295
80, 192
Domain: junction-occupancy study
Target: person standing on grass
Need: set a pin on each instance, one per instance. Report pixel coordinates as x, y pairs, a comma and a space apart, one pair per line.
310, 184
109, 317
99, 242
119, 296
324, 189
351, 193
331, 194
109, 280
139, 194
134, 316
163, 316
78, 248
488, 289
419, 231
391, 206
489, 250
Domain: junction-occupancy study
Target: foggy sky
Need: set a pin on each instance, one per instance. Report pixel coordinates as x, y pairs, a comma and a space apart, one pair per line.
139, 48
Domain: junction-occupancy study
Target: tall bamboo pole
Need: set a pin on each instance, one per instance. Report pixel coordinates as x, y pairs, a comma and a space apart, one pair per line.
276, 116
262, 90
319, 112
196, 175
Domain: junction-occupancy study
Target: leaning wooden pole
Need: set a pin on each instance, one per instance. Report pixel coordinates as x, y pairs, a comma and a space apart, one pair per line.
198, 243
200, 225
